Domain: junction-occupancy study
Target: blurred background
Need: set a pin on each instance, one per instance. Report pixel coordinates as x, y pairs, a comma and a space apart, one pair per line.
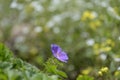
88, 30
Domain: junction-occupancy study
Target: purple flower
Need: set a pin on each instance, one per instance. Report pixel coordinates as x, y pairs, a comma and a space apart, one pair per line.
58, 53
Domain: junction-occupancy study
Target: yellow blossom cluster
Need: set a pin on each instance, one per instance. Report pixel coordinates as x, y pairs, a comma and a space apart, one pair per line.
91, 16
88, 15
94, 24
103, 70
103, 47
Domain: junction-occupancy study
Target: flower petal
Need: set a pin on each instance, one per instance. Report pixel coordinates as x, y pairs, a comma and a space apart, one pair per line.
58, 53
62, 56
55, 49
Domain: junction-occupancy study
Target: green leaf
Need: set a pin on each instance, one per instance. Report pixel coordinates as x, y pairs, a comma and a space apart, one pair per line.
61, 73
52, 68
5, 54
84, 77
12, 68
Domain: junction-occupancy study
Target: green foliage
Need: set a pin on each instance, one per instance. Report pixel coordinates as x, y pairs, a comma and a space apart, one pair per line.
5, 54
84, 77
52, 66
12, 68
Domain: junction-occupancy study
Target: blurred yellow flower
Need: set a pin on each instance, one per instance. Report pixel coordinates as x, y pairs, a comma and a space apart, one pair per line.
95, 24
106, 49
105, 46
117, 73
88, 15
110, 42
86, 71
102, 71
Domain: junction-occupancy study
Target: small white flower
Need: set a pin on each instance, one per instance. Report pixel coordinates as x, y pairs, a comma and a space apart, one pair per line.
38, 29
90, 42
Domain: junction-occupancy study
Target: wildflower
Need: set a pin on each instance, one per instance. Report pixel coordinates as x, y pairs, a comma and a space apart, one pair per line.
110, 42
103, 70
58, 53
95, 24
89, 15
100, 73
106, 49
